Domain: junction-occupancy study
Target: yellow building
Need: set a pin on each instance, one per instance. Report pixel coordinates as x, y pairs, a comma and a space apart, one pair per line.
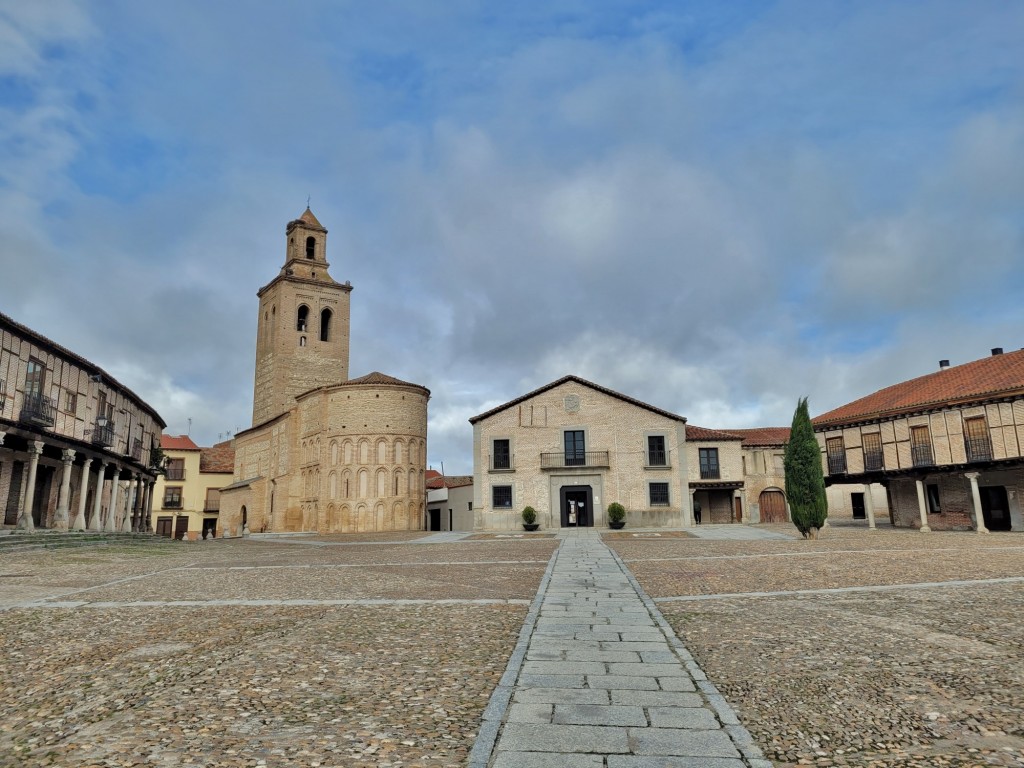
187, 495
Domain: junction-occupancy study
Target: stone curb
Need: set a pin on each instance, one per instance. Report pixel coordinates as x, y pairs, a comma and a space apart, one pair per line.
740, 736
497, 705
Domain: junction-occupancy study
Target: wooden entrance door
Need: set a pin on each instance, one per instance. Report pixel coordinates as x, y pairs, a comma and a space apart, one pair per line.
773, 506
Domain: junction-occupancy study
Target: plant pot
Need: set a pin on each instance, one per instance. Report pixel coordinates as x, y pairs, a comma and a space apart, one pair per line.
531, 526
616, 524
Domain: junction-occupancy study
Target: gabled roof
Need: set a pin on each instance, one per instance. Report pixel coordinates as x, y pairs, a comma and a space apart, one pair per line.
699, 434
991, 377
448, 481
585, 383
762, 436
217, 458
177, 443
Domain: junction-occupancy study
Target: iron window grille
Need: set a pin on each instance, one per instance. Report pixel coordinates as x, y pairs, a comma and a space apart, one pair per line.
874, 459
836, 456
501, 458
709, 464
659, 494
657, 456
501, 496
921, 447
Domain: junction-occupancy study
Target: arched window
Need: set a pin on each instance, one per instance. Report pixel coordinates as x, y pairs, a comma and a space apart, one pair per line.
310, 247
325, 325
301, 318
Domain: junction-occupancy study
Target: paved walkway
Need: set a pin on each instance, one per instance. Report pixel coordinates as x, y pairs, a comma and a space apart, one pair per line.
733, 532
599, 679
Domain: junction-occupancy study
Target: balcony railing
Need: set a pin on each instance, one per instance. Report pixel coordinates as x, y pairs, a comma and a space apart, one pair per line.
175, 473
574, 459
710, 473
874, 461
172, 504
38, 410
837, 464
659, 459
978, 448
212, 505
921, 455
502, 463
103, 433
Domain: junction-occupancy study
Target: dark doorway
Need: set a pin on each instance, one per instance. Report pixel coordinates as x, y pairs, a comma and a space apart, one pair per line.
857, 502
995, 508
578, 499
180, 527
163, 527
210, 527
40, 504
14, 495
435, 519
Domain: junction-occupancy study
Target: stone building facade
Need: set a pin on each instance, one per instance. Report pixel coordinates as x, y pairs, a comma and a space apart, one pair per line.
946, 448
76, 446
325, 453
571, 448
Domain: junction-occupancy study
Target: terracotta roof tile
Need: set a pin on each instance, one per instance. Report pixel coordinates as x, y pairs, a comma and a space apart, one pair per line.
376, 377
695, 433
217, 458
437, 481
994, 376
177, 443
763, 436
308, 218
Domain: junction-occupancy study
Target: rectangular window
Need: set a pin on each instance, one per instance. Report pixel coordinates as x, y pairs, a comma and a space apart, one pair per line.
35, 379
836, 452
659, 494
708, 463
934, 505
501, 496
3, 394
71, 406
873, 457
977, 442
921, 447
175, 469
212, 500
656, 456
575, 449
172, 497
501, 454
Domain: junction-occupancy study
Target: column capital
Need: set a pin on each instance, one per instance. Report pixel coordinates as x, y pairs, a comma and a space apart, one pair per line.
36, 447
2, 436
67, 456
972, 475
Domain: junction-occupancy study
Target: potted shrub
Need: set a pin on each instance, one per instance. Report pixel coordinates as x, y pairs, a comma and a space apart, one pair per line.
616, 515
530, 519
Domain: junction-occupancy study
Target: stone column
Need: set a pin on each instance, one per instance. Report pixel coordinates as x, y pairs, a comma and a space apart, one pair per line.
95, 523
129, 498
60, 517
137, 510
979, 516
147, 508
869, 507
922, 507
688, 518
78, 524
25, 521
109, 525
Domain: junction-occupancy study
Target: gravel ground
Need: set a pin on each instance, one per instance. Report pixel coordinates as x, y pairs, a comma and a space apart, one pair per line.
903, 677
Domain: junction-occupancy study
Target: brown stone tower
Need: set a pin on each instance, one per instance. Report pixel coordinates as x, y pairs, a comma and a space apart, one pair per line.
302, 339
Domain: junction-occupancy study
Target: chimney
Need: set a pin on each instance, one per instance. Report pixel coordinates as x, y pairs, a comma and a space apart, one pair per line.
943, 364
997, 351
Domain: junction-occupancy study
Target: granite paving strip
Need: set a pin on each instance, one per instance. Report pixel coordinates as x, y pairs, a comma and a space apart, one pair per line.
599, 678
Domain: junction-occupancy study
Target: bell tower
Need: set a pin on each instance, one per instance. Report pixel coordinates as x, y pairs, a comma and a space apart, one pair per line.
302, 336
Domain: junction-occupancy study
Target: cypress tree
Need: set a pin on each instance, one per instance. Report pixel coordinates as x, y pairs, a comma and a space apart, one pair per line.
805, 482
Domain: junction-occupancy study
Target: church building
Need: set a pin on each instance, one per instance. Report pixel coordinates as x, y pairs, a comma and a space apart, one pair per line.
325, 453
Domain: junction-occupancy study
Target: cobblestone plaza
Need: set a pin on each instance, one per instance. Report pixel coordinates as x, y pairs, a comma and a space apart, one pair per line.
635, 649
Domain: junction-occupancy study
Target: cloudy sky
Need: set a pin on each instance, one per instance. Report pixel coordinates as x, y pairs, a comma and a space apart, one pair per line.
713, 207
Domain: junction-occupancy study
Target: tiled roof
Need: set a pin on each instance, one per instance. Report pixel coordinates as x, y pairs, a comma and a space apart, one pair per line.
763, 436
995, 376
86, 365
376, 377
585, 383
448, 481
217, 458
695, 433
308, 218
177, 443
